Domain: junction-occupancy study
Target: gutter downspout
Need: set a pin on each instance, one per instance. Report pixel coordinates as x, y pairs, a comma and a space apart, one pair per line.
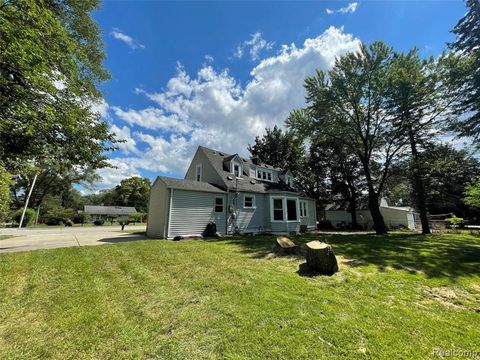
169, 212
226, 213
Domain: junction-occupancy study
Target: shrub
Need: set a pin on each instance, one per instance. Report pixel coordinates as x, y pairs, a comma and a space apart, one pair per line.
324, 225
57, 215
5, 182
98, 222
69, 223
29, 218
81, 217
454, 222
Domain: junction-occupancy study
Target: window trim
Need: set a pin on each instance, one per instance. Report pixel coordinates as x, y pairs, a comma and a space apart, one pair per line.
284, 208
272, 215
197, 173
303, 209
253, 201
215, 204
240, 168
297, 217
265, 175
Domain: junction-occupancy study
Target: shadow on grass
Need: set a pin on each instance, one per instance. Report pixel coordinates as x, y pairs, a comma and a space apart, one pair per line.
447, 255
124, 238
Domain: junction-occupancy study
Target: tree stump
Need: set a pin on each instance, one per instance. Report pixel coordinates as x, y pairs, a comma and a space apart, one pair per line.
286, 245
321, 258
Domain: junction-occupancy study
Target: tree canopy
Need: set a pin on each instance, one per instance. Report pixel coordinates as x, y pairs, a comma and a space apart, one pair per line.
467, 44
50, 66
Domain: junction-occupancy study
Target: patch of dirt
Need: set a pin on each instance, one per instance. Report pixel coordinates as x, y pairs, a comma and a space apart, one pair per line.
451, 298
354, 262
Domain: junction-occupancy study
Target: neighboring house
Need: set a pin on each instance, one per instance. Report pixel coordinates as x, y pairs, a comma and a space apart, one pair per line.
108, 212
394, 216
240, 195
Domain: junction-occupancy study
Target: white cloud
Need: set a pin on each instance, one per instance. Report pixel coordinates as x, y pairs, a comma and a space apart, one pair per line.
123, 133
255, 45
111, 177
209, 58
100, 107
152, 118
133, 44
350, 8
213, 110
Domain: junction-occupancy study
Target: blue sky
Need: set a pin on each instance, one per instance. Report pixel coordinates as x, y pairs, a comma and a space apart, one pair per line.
217, 73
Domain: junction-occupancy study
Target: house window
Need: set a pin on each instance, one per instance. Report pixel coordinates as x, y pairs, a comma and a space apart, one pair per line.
278, 209
303, 209
291, 209
264, 175
198, 173
288, 180
248, 201
237, 170
219, 204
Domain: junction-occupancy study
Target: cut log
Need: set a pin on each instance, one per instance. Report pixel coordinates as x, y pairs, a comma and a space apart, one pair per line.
321, 258
287, 245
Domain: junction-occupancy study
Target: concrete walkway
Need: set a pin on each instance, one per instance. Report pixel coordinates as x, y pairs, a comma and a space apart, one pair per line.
50, 238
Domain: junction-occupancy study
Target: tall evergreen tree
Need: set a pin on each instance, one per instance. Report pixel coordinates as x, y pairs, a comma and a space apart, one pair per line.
467, 44
420, 95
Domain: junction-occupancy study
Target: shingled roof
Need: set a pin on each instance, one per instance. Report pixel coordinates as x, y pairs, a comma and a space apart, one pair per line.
184, 184
246, 183
109, 210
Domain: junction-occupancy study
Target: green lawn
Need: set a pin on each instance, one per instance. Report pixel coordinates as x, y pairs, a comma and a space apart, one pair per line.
399, 296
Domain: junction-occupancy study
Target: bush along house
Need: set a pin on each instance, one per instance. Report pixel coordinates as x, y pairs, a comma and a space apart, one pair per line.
239, 195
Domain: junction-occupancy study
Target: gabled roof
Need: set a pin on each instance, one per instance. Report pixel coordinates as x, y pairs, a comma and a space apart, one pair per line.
109, 210
184, 184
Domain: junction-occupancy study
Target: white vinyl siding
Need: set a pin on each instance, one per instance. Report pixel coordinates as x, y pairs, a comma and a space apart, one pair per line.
191, 211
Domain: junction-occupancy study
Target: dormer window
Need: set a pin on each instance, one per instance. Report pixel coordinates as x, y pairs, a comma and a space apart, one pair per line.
264, 175
236, 170
288, 180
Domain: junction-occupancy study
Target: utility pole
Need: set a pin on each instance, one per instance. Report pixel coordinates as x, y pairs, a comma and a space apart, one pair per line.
27, 200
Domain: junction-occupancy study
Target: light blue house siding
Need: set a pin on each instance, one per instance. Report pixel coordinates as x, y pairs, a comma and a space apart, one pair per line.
247, 219
191, 211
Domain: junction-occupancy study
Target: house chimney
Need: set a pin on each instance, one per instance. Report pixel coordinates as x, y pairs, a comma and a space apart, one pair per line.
255, 159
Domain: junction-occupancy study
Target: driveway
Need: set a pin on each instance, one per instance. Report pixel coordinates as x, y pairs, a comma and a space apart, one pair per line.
45, 238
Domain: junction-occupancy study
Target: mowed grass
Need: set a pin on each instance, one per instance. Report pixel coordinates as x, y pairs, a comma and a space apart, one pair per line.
396, 296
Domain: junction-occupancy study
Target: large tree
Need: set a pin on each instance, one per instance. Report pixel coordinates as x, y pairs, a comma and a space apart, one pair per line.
446, 172
467, 44
50, 66
342, 174
420, 96
132, 191
279, 148
347, 105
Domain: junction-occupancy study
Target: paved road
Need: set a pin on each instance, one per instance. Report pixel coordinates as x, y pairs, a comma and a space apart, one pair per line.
45, 238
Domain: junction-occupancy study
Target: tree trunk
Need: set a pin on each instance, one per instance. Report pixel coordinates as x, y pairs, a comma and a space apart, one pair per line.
321, 258
353, 208
373, 205
418, 186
